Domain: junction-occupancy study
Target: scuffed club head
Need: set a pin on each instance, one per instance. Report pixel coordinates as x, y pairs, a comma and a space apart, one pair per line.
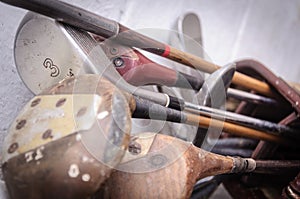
66, 141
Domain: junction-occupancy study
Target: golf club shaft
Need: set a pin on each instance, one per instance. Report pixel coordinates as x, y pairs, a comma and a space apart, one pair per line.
96, 58
143, 71
235, 129
138, 70
88, 21
241, 119
148, 110
250, 97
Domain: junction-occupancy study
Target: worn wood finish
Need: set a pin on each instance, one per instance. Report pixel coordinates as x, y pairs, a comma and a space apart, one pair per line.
205, 66
69, 157
173, 168
60, 173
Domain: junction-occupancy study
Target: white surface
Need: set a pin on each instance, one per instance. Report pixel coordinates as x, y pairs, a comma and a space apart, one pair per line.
267, 30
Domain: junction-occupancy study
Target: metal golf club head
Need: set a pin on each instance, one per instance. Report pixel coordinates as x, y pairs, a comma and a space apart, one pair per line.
213, 94
190, 33
40, 63
66, 141
44, 54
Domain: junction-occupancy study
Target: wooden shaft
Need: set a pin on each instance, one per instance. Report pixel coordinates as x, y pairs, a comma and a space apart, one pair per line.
134, 39
191, 60
235, 129
205, 66
251, 83
106, 28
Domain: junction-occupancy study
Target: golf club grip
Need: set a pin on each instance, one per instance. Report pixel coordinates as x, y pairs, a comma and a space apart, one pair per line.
176, 103
148, 110
188, 81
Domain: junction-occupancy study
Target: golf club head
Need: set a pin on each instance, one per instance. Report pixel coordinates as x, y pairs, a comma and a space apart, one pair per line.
213, 94
44, 54
190, 33
47, 52
67, 140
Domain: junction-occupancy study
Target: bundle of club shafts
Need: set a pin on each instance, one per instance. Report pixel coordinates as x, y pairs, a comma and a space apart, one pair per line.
265, 120
106, 28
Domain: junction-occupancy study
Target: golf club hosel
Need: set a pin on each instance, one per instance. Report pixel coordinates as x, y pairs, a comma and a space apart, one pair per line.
242, 165
138, 70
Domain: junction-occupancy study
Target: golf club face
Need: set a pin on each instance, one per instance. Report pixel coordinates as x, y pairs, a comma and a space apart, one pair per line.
44, 55
66, 141
189, 27
213, 94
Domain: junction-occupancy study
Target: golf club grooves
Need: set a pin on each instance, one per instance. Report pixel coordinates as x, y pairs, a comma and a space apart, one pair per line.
98, 63
107, 28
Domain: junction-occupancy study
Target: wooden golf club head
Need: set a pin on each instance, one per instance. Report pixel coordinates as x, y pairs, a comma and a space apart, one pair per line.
66, 141
161, 166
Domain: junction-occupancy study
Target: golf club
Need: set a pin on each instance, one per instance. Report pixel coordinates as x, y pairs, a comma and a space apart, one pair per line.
138, 70
95, 57
93, 23
169, 177
66, 145
146, 109
44, 47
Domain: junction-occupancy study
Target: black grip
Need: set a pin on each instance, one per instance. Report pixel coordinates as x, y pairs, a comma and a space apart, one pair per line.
148, 110
188, 81
176, 103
